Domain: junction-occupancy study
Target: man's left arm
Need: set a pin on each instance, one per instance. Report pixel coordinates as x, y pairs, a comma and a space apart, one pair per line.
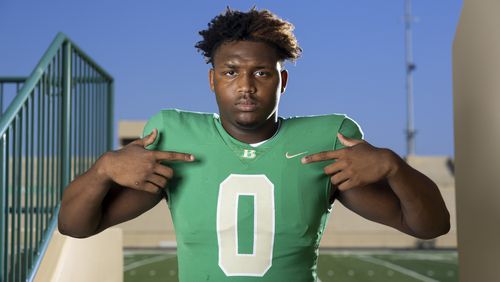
378, 185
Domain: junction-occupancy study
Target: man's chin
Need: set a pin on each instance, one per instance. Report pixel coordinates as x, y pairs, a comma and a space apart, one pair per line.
247, 120
248, 124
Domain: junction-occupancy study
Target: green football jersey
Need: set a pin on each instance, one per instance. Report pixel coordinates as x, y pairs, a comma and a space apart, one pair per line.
244, 213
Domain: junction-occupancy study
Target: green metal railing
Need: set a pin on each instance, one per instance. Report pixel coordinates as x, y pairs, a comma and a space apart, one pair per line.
16, 82
57, 125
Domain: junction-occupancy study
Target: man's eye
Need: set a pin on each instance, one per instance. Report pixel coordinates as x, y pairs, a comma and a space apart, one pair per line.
261, 73
230, 73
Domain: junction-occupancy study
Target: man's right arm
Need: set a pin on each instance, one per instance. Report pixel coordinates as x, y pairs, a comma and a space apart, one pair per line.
120, 186
92, 203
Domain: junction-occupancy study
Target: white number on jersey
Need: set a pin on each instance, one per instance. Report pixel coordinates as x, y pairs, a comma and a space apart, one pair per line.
260, 260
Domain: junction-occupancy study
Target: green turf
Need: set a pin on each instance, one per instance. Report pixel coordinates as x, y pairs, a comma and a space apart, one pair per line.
359, 266
150, 267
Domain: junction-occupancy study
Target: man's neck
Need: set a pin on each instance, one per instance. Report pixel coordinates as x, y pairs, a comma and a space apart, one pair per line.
252, 135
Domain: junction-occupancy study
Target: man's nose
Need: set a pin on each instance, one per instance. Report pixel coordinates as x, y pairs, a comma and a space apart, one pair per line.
246, 83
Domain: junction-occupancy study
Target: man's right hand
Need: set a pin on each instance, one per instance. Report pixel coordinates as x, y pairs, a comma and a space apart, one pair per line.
135, 167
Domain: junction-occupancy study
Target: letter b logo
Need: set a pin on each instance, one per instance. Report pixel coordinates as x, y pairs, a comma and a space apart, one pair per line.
249, 154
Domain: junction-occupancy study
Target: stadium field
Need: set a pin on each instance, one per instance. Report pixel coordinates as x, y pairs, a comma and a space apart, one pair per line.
345, 266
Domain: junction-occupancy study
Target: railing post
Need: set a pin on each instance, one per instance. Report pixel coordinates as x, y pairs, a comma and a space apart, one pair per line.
3, 192
111, 89
66, 117
1, 99
3, 203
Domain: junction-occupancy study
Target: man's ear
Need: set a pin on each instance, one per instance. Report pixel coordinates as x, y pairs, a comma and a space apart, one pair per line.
284, 80
211, 79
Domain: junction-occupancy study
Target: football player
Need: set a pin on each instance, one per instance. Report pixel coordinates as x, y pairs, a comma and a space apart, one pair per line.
252, 191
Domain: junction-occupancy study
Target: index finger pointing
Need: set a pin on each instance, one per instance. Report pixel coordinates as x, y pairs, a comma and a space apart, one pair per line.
173, 156
321, 156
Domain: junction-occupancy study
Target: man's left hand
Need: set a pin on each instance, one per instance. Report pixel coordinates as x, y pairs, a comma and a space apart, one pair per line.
357, 165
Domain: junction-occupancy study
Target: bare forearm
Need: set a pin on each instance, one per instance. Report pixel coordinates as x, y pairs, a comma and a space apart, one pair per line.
423, 210
377, 184
81, 205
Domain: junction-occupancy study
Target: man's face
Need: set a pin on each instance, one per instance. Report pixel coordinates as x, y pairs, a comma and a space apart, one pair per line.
248, 80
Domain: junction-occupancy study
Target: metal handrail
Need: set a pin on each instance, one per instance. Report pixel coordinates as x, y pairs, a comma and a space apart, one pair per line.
6, 80
13, 79
56, 126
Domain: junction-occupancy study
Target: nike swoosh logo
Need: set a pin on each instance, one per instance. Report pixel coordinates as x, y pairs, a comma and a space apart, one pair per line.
293, 156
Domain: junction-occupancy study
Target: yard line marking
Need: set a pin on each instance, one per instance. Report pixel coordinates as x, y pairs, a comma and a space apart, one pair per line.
144, 262
397, 268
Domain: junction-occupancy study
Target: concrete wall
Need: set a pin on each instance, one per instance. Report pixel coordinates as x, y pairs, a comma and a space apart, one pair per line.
476, 92
99, 258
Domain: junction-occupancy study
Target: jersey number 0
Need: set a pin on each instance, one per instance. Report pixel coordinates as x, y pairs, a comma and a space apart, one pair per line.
259, 261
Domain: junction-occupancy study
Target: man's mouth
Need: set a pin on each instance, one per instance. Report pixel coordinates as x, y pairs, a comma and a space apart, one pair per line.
246, 105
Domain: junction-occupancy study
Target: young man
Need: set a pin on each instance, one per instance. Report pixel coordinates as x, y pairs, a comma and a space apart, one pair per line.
251, 195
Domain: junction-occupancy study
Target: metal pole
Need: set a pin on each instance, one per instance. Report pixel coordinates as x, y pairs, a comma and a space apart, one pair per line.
410, 68
66, 116
3, 204
110, 115
1, 99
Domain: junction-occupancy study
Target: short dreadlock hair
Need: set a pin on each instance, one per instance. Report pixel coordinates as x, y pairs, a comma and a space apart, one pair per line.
254, 25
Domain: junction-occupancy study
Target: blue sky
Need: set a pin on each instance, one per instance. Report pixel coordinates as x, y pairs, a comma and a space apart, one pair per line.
353, 59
